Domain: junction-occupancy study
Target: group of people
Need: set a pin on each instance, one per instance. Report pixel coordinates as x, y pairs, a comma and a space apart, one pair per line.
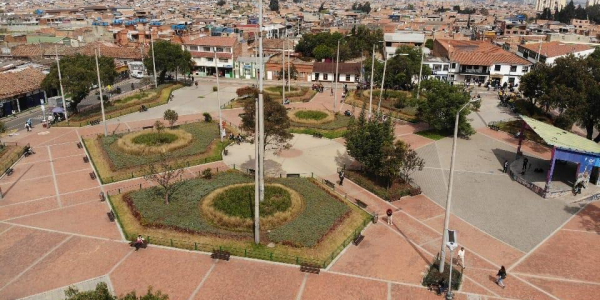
238, 139
318, 87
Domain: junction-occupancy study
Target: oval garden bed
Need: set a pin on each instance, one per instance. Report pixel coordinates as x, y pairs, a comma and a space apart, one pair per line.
153, 142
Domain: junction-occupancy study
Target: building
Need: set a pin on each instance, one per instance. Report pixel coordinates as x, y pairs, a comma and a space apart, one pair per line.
20, 90
480, 61
440, 67
593, 2
551, 4
204, 50
325, 72
550, 51
397, 39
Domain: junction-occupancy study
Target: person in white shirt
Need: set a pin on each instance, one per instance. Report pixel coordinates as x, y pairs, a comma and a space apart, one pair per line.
460, 259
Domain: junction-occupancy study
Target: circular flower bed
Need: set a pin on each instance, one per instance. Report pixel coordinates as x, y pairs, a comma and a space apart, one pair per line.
152, 142
311, 116
232, 207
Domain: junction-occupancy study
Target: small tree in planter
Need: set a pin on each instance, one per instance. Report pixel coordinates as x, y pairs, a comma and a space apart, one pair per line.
171, 116
207, 117
167, 175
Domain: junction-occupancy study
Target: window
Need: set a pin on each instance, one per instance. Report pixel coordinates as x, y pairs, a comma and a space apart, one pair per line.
193, 48
511, 80
513, 68
206, 49
347, 77
316, 76
525, 69
223, 60
437, 67
497, 68
445, 67
219, 49
209, 59
453, 65
325, 76
227, 49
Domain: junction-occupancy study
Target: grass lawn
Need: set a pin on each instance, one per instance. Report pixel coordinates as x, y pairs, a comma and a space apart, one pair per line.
113, 164
149, 98
317, 234
432, 134
8, 156
331, 130
389, 105
311, 115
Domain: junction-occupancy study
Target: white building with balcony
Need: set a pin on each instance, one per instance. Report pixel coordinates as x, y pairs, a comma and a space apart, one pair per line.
209, 52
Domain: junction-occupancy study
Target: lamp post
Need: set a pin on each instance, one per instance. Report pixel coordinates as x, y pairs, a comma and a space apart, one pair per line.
289, 62
283, 73
153, 60
450, 181
372, 76
383, 78
337, 76
62, 93
219, 96
101, 97
420, 73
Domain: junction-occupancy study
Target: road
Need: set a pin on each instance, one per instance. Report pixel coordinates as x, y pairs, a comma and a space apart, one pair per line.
125, 86
18, 122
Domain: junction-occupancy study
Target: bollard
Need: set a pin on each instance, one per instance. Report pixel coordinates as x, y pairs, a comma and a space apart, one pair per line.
1, 196
140, 186
119, 191
195, 246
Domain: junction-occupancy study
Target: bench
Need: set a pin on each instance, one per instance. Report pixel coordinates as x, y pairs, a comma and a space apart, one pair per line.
79, 145
329, 183
306, 268
358, 239
86, 159
102, 198
111, 215
292, 175
94, 122
361, 204
220, 254
10, 171
92, 175
147, 127
494, 127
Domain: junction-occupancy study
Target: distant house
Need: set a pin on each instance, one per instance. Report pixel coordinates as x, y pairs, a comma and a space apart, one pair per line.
550, 51
205, 49
397, 39
20, 90
480, 61
325, 72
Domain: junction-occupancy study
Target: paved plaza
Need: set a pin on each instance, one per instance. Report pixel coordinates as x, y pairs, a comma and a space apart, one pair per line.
54, 231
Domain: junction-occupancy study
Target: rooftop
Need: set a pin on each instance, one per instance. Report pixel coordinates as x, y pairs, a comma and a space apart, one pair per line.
16, 83
561, 138
556, 48
481, 53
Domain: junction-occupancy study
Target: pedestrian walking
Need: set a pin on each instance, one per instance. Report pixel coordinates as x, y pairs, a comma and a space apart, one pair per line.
342, 176
505, 168
389, 214
460, 259
501, 276
525, 162
27, 127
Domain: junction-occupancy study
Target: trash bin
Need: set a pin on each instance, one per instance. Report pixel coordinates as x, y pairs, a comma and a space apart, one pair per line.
375, 218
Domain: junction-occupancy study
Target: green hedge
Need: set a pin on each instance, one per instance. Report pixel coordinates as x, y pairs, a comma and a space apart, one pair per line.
433, 275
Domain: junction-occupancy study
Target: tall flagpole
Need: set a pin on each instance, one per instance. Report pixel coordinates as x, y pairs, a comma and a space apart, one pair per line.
101, 97
219, 97
382, 82
259, 132
62, 93
337, 75
283, 70
154, 61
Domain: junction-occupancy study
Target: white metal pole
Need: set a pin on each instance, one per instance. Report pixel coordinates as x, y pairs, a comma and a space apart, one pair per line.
283, 74
289, 62
44, 107
450, 294
153, 60
540, 50
449, 194
62, 93
219, 97
372, 76
256, 177
420, 73
101, 97
261, 110
382, 83
337, 76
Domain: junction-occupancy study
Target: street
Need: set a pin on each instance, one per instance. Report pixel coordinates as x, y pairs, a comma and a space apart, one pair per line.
125, 86
18, 122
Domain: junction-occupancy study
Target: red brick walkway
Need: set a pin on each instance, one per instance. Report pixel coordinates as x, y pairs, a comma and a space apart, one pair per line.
54, 232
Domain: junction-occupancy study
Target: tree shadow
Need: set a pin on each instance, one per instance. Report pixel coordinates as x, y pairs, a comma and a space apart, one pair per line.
17, 180
589, 217
343, 159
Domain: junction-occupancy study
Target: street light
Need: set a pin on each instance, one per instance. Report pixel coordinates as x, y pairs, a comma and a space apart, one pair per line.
450, 181
337, 76
372, 76
221, 130
420, 73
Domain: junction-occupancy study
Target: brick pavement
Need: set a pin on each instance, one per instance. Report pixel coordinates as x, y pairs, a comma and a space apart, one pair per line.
57, 234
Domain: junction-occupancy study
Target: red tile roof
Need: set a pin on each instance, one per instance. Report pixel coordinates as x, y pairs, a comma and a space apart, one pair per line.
112, 50
480, 53
21, 82
553, 49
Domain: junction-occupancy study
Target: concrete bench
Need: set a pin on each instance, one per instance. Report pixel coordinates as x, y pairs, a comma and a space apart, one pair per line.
329, 183
10, 171
220, 254
86, 159
306, 268
93, 175
358, 239
361, 204
111, 215
79, 145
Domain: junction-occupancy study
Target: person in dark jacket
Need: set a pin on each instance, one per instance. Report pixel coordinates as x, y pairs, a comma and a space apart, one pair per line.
501, 276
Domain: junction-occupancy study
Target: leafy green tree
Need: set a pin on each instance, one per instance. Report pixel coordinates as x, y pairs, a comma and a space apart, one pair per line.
367, 141
400, 161
546, 14
221, 2
323, 51
79, 75
167, 175
102, 293
276, 119
440, 104
274, 5
171, 116
535, 83
292, 70
169, 57
360, 41
429, 44
401, 69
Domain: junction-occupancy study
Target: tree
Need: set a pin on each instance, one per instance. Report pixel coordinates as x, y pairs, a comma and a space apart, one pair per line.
276, 119
535, 83
401, 161
322, 7
357, 44
221, 2
102, 293
292, 70
79, 75
401, 69
274, 5
367, 141
484, 12
440, 104
322, 52
167, 175
546, 14
170, 116
169, 57
429, 44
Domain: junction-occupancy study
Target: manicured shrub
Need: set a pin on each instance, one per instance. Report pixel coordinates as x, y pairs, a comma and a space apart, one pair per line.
207, 117
155, 138
215, 88
207, 173
433, 276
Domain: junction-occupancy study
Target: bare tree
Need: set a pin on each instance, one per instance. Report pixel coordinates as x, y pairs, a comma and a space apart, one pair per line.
167, 175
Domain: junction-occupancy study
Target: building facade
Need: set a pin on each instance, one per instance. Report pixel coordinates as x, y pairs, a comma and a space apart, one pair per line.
205, 50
